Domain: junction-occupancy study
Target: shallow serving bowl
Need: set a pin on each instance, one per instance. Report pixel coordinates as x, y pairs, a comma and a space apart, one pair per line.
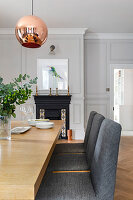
45, 125
32, 122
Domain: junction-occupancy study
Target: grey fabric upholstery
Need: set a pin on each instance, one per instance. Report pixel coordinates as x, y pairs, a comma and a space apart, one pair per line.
79, 147
66, 162
70, 148
67, 186
75, 162
88, 129
104, 163
100, 183
96, 124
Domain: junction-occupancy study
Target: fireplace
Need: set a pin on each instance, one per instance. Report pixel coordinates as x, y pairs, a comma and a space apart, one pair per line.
54, 108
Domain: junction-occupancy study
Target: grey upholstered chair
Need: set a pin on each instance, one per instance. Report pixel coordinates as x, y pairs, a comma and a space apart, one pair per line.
78, 147
99, 184
78, 161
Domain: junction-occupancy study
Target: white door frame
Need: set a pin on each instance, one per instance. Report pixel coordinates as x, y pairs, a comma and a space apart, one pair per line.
112, 67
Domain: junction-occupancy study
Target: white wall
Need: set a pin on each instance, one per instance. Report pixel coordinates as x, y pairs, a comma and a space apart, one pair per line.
15, 59
99, 55
71, 47
126, 110
128, 87
87, 82
10, 60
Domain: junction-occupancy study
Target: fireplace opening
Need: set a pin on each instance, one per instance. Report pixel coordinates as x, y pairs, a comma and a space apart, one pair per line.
53, 114
54, 108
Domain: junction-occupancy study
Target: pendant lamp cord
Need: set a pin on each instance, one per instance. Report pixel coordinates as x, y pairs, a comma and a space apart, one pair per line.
32, 7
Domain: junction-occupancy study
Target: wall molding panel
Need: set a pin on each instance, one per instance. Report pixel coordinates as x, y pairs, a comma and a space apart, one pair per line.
90, 57
99, 107
118, 51
103, 96
10, 60
97, 69
76, 111
69, 44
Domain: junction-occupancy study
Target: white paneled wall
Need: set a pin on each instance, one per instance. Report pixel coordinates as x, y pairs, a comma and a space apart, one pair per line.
95, 73
71, 47
96, 97
10, 60
99, 55
15, 59
88, 82
10, 57
121, 51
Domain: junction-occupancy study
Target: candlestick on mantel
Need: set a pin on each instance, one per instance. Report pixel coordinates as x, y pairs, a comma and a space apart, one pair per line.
68, 94
50, 93
36, 91
56, 91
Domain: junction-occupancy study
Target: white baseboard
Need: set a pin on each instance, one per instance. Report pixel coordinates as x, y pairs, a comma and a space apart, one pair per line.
127, 133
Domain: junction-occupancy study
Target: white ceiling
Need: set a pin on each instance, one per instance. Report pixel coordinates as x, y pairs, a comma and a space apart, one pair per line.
105, 16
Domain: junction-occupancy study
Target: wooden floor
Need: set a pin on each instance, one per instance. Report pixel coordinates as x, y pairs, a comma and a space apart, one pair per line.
124, 179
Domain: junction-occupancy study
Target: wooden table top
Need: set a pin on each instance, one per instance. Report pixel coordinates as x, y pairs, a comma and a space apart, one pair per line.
24, 159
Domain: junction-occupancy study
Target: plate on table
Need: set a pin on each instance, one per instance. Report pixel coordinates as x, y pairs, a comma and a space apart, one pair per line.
19, 130
45, 125
32, 122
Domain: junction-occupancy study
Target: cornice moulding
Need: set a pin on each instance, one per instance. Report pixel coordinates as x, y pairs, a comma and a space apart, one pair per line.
108, 36
51, 31
67, 31
76, 31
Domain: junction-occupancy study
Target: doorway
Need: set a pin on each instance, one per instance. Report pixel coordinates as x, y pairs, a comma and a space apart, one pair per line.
121, 96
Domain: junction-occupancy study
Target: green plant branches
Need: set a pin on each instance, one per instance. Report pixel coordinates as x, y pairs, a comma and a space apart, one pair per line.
15, 93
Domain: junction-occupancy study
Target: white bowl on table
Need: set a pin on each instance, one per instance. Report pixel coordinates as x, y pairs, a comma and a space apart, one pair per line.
32, 122
45, 125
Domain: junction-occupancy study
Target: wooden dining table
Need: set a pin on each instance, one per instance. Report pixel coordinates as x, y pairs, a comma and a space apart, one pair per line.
24, 159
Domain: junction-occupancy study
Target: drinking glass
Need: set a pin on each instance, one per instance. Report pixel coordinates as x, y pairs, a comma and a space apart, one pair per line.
27, 111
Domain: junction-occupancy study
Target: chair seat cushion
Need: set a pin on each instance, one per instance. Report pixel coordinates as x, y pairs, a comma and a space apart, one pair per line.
69, 148
66, 186
68, 162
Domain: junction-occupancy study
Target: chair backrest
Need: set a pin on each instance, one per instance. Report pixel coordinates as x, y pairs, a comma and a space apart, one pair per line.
96, 124
89, 124
104, 163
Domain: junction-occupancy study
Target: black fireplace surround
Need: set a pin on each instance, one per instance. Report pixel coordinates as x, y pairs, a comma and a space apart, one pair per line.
54, 108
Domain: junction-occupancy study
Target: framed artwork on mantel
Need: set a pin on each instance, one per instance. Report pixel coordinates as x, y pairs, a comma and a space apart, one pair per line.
52, 73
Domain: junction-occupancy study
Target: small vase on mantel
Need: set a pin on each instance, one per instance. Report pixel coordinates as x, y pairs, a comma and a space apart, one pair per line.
5, 128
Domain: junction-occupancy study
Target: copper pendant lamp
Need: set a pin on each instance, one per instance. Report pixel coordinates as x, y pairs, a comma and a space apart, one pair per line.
31, 31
